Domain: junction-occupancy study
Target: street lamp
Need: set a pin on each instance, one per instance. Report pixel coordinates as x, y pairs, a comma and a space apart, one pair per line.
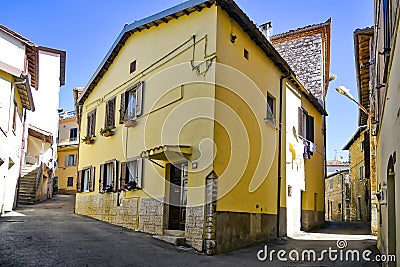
346, 92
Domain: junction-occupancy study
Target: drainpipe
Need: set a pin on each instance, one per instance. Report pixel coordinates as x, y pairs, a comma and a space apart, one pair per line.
278, 200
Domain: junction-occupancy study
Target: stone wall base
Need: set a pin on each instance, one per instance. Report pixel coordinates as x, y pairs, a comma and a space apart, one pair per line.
143, 214
311, 219
238, 229
194, 227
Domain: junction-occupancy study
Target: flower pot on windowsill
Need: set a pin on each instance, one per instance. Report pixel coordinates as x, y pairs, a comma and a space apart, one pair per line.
89, 140
130, 123
108, 131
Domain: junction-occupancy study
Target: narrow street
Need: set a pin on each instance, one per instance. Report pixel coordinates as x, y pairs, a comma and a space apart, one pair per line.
50, 234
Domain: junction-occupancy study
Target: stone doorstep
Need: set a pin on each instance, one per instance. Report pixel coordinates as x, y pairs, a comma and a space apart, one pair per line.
174, 240
176, 233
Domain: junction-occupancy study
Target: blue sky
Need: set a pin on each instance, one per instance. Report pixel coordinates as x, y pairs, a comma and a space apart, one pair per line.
86, 29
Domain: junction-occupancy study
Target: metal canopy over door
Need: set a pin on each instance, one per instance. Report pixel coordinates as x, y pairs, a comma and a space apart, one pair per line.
178, 196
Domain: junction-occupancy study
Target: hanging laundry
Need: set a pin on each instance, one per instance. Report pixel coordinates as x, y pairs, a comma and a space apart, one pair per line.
313, 147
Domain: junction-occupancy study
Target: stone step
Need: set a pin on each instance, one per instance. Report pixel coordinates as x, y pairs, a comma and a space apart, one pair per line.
27, 194
177, 233
174, 240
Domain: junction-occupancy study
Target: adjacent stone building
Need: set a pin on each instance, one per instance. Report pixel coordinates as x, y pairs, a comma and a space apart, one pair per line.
337, 196
360, 182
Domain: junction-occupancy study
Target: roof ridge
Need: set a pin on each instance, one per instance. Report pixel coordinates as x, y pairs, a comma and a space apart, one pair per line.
302, 29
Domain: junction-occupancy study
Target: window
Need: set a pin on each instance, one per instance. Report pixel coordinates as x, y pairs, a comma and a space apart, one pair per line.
271, 109
246, 54
70, 181
131, 171
110, 114
362, 146
91, 123
73, 134
361, 173
108, 174
306, 125
339, 180
86, 181
131, 103
339, 207
70, 160
132, 67
331, 184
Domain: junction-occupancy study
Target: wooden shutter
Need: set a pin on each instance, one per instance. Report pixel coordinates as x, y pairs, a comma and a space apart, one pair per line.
93, 133
110, 113
101, 179
122, 179
78, 182
301, 122
66, 160
139, 99
310, 128
139, 172
89, 124
122, 108
114, 182
92, 179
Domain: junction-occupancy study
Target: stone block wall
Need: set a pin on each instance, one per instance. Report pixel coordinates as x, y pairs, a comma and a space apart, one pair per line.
144, 214
304, 55
195, 227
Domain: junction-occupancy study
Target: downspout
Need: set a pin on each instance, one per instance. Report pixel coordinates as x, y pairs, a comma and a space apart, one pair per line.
278, 200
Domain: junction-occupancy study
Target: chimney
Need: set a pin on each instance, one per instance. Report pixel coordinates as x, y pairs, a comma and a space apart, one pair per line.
266, 30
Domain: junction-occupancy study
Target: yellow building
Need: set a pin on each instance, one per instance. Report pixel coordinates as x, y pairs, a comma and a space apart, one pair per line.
192, 126
67, 153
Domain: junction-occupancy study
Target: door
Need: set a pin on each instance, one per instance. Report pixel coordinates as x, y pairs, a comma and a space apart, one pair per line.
178, 196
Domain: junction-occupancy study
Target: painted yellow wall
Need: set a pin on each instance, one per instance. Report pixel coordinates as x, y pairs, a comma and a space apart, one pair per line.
240, 113
314, 167
169, 107
243, 87
63, 172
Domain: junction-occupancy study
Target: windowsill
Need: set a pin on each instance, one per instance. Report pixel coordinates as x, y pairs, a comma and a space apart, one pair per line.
271, 123
130, 123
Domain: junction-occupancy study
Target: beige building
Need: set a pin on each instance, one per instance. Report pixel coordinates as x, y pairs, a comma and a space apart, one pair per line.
67, 151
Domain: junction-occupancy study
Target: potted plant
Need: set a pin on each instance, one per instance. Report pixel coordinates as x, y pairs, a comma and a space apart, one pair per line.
130, 120
108, 188
130, 186
107, 131
88, 140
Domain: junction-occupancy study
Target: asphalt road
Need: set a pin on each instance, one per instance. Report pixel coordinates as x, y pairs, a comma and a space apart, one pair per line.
50, 234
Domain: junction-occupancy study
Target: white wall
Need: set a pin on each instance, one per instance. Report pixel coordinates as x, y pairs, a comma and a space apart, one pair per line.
12, 51
295, 174
46, 99
10, 146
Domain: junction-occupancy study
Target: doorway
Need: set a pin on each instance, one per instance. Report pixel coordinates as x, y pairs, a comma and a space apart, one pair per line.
391, 206
178, 196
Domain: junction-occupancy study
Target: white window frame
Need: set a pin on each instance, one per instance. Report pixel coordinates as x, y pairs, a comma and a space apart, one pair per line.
135, 171
271, 112
70, 160
85, 180
109, 172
